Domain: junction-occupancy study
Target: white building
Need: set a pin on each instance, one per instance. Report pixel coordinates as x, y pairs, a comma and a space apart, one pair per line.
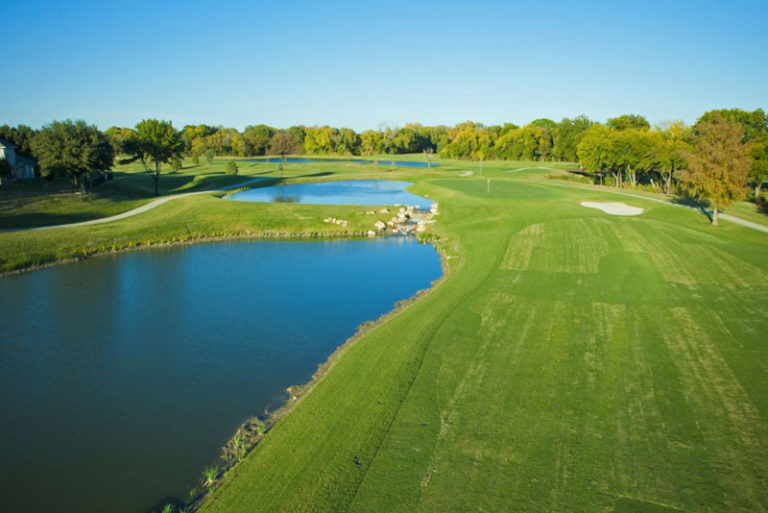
23, 168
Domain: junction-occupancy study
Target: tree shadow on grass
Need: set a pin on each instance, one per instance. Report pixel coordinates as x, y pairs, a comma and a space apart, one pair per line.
695, 203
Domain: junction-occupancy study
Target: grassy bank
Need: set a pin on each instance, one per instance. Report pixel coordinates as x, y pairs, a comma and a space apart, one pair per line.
573, 361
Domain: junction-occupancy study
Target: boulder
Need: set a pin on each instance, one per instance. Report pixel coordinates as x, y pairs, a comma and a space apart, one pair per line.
371, 233
380, 225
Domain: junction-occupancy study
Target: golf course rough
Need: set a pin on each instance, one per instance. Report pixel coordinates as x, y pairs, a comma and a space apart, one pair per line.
572, 361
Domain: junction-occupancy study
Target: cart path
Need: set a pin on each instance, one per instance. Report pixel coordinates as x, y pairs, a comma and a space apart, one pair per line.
135, 211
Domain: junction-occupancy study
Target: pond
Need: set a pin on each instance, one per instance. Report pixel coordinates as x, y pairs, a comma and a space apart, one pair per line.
381, 162
342, 192
122, 376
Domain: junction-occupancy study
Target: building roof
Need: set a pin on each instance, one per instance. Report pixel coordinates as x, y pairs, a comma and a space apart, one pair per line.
6, 144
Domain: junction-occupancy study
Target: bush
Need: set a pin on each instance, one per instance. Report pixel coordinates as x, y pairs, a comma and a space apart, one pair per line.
232, 167
196, 160
210, 156
176, 165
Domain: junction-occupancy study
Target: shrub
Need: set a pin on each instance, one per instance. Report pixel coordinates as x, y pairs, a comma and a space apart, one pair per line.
176, 165
210, 156
232, 167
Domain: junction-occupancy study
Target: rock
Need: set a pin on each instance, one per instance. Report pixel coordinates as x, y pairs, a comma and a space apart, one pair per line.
371, 233
370, 213
380, 225
384, 211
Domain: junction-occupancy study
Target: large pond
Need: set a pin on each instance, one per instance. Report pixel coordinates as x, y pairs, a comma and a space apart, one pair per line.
121, 377
342, 192
381, 162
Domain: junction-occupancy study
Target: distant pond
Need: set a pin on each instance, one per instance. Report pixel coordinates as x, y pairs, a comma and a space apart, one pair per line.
122, 376
381, 162
343, 192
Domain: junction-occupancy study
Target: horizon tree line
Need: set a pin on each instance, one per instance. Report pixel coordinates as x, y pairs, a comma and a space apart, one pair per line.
624, 151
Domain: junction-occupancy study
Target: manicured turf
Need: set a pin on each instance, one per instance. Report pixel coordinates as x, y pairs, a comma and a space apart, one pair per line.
573, 361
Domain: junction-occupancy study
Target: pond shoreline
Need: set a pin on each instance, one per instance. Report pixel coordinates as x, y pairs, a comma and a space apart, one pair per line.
251, 432
141, 246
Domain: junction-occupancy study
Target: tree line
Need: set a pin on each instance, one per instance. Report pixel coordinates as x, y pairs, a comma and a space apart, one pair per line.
623, 151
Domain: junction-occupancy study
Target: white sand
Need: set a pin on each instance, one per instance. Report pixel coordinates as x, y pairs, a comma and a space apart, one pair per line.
465, 173
615, 209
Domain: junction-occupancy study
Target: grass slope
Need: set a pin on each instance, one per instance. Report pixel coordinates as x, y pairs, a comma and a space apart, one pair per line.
573, 361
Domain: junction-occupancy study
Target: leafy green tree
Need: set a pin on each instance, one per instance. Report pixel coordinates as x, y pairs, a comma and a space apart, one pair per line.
372, 142
73, 149
758, 173
155, 142
628, 121
117, 137
210, 156
232, 168
177, 164
568, 136
718, 166
21, 136
596, 151
347, 142
669, 148
320, 140
284, 143
298, 132
258, 137
755, 123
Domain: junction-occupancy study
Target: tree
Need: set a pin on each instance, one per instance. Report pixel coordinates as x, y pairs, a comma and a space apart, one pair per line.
596, 151
718, 166
21, 136
74, 149
284, 143
568, 136
755, 126
629, 121
258, 137
670, 147
232, 168
154, 143
117, 137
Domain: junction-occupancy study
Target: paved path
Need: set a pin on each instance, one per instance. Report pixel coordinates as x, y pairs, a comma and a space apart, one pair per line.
135, 211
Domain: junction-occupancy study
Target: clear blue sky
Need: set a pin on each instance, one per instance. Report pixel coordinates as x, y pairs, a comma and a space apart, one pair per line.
360, 65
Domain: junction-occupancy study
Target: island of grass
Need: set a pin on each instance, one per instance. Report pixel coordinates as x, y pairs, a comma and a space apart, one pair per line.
571, 360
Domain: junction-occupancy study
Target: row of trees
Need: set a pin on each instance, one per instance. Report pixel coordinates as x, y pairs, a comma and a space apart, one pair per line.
625, 150
633, 153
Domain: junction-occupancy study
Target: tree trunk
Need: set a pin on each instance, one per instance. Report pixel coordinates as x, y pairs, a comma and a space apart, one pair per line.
714, 216
758, 187
669, 183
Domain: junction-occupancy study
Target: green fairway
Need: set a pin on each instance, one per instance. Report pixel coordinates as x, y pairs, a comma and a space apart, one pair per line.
572, 361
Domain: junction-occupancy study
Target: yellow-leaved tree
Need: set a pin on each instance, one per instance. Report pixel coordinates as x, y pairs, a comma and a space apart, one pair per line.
718, 165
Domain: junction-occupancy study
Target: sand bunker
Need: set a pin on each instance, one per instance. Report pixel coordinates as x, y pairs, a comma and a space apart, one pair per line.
465, 173
615, 209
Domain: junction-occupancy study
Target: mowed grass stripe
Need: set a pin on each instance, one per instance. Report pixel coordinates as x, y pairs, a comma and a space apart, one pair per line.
591, 377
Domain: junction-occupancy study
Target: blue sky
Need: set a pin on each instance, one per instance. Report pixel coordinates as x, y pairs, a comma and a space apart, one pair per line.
363, 66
